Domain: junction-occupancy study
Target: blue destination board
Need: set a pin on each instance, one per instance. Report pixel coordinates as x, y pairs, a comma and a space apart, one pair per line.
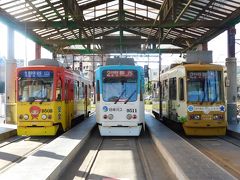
36, 74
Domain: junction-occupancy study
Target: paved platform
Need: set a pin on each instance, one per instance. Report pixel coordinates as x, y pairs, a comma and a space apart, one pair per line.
7, 131
184, 159
49, 161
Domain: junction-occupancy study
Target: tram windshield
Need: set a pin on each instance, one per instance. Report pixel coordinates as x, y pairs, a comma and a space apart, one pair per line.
204, 86
35, 85
119, 86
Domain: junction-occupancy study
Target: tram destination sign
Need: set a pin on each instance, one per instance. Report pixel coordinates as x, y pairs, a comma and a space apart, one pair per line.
36, 74
119, 74
202, 74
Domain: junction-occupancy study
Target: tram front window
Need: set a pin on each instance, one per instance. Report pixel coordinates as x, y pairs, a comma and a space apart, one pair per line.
204, 86
119, 86
35, 86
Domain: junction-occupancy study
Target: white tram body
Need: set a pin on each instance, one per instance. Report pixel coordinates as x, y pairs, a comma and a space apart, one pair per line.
119, 100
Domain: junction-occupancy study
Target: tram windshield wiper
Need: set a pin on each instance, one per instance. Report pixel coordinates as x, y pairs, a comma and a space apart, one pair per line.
119, 96
42, 100
130, 97
31, 99
202, 99
214, 100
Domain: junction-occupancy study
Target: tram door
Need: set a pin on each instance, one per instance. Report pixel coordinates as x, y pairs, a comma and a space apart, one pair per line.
85, 100
67, 104
172, 114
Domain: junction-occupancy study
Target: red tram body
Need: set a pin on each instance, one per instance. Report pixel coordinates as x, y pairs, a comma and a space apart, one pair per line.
49, 98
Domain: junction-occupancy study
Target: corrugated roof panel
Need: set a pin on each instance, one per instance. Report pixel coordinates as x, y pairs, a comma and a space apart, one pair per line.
196, 11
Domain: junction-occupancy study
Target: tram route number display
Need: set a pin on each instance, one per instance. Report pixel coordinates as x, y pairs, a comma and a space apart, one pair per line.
201, 75
119, 74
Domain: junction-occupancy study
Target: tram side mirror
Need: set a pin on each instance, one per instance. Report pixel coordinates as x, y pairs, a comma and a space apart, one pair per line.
227, 82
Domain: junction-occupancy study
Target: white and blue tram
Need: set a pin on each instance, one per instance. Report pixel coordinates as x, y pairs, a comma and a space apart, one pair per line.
119, 99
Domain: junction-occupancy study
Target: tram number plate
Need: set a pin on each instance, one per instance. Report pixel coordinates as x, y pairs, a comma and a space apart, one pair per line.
131, 110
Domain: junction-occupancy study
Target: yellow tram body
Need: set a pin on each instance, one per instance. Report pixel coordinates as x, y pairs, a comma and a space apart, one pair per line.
55, 113
68, 100
181, 103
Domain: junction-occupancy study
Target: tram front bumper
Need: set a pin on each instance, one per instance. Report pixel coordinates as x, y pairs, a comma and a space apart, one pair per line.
208, 128
37, 131
120, 130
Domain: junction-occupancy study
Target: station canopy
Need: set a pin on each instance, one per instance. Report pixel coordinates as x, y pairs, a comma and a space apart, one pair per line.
120, 26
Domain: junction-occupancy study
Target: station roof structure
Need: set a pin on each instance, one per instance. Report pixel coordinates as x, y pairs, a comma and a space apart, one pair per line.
120, 26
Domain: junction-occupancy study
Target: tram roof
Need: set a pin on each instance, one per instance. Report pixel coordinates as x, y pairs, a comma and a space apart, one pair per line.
46, 62
113, 26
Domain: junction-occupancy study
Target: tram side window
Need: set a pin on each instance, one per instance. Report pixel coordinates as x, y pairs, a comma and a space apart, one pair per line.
67, 83
59, 90
154, 92
89, 91
165, 89
172, 88
181, 89
80, 91
162, 91
76, 89
83, 90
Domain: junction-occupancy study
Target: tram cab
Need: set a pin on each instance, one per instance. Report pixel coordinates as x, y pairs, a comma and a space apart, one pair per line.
120, 104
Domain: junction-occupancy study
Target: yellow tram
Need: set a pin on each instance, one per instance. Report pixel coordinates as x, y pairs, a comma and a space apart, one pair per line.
49, 98
193, 95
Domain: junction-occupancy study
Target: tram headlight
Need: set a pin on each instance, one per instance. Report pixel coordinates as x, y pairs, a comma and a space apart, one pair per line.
195, 116
20, 116
134, 116
49, 116
44, 116
110, 116
218, 117
129, 116
25, 116
104, 116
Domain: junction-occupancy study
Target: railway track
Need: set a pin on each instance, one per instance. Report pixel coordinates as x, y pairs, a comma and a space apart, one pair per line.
224, 150
118, 158
16, 149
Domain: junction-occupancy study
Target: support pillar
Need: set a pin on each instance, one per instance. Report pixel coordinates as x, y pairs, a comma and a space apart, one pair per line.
121, 19
93, 70
205, 46
202, 47
232, 76
10, 44
231, 91
10, 76
37, 51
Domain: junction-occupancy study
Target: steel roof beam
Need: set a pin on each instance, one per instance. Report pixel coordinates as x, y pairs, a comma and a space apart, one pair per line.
125, 23
147, 3
71, 7
42, 15
93, 4
126, 40
149, 51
